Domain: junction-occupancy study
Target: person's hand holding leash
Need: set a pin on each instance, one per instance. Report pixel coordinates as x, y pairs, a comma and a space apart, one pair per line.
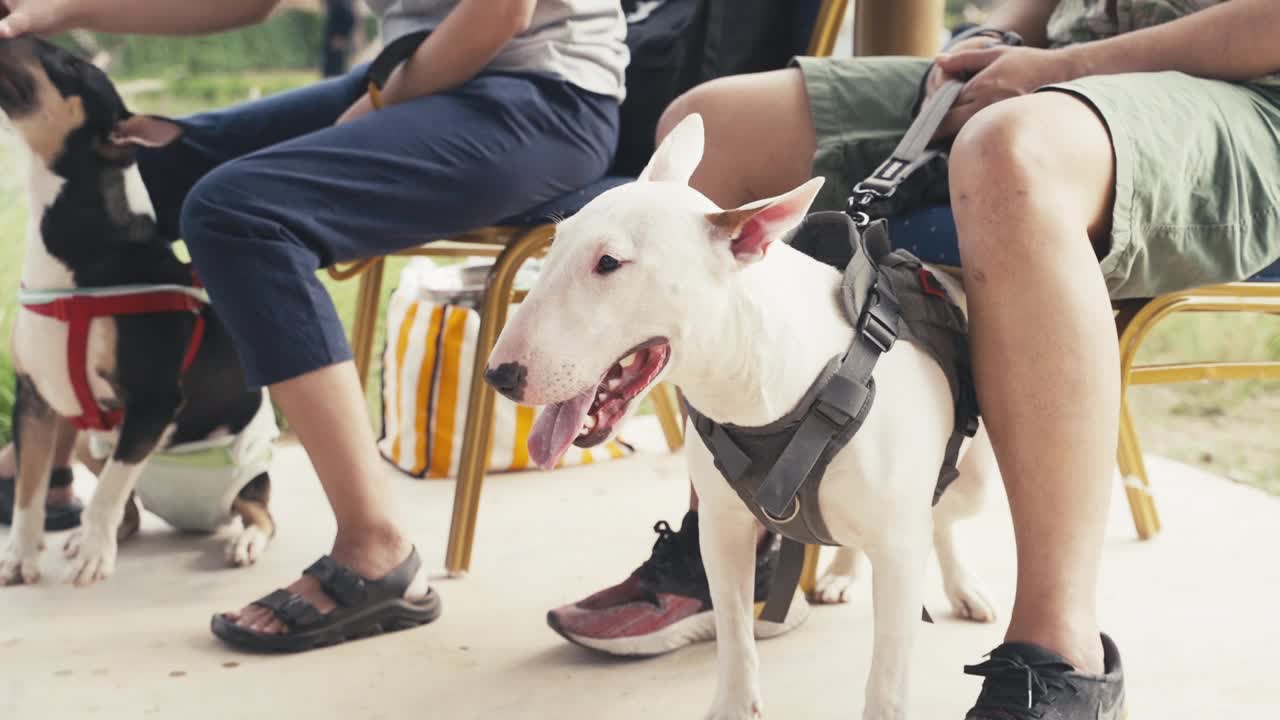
938, 75
998, 72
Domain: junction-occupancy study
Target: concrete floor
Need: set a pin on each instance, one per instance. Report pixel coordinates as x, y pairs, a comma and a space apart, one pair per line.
1195, 613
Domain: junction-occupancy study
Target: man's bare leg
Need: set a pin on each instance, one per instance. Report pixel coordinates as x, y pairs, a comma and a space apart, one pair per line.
1031, 184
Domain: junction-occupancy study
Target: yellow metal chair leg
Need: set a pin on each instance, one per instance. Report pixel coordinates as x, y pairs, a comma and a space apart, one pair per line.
1133, 472
478, 430
668, 416
827, 28
365, 325
1134, 325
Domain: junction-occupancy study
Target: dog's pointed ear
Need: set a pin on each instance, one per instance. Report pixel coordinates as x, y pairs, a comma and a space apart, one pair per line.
145, 131
678, 155
752, 228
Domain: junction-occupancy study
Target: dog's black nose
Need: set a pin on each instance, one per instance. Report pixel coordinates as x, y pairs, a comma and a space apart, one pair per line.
508, 379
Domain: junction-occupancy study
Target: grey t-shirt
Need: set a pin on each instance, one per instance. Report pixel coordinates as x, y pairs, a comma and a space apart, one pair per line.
580, 41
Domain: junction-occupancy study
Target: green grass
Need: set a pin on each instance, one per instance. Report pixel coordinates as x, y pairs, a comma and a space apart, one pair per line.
1228, 428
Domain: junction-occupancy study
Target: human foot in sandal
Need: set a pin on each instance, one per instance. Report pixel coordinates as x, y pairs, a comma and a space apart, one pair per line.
336, 600
62, 507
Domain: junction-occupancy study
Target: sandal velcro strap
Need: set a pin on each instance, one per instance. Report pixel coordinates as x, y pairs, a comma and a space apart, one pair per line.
338, 582
292, 609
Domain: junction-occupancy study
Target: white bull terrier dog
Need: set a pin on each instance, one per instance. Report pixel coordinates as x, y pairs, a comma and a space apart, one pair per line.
650, 282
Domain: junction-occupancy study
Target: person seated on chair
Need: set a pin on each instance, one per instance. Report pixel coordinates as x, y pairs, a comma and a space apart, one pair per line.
505, 105
1128, 150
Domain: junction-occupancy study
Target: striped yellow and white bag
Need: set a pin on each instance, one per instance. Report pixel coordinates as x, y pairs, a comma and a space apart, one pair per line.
426, 374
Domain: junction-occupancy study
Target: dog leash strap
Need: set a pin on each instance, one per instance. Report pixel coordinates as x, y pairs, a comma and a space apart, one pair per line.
786, 578
913, 150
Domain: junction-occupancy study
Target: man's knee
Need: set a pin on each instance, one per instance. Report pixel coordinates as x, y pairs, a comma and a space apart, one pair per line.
1047, 151
760, 138
234, 208
1009, 142
700, 100
211, 204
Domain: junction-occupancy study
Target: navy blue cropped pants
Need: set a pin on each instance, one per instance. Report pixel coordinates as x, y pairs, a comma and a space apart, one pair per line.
267, 193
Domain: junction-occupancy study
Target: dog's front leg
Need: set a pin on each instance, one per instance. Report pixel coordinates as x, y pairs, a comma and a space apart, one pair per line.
898, 579
37, 431
92, 548
728, 539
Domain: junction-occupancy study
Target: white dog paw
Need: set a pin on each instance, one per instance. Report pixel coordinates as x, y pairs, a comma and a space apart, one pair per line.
970, 602
19, 565
247, 547
737, 711
92, 555
833, 589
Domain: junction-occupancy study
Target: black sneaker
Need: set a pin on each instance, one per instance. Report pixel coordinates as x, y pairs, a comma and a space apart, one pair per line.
665, 604
1026, 682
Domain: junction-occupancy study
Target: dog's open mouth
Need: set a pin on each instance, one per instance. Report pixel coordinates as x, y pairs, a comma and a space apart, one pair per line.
589, 418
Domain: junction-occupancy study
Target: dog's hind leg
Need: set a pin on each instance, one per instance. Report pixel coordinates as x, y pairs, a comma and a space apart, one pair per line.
836, 584
92, 548
963, 499
259, 526
37, 430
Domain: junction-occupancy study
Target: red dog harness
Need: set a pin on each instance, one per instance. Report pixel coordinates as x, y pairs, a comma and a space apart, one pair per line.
78, 308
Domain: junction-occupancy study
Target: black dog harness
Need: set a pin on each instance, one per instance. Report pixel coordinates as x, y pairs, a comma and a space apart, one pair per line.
887, 295
777, 468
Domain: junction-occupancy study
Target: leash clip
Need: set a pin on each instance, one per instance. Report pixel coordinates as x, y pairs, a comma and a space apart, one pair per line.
859, 203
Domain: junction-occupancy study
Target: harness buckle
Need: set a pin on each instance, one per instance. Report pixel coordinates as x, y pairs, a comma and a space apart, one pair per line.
832, 413
875, 325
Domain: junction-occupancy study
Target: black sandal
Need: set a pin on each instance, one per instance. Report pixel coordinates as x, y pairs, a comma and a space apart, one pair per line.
365, 608
56, 517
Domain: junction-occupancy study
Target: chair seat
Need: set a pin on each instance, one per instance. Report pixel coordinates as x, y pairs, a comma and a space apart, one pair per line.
567, 204
930, 234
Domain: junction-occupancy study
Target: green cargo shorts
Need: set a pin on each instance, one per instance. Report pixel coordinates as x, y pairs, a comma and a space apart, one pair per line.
1197, 163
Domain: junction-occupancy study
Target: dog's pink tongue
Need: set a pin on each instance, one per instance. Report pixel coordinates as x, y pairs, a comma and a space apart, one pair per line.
556, 428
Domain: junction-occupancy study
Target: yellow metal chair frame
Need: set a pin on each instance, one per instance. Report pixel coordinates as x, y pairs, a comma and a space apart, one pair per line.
1135, 321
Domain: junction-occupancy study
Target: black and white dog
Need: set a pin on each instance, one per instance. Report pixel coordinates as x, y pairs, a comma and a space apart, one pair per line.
115, 337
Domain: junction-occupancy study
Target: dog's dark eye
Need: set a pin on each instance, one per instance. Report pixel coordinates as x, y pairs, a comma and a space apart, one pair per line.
607, 264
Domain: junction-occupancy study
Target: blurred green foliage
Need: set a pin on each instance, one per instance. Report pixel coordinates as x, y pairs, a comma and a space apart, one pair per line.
289, 40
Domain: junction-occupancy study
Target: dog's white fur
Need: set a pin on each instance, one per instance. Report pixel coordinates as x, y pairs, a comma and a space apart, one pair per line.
749, 332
